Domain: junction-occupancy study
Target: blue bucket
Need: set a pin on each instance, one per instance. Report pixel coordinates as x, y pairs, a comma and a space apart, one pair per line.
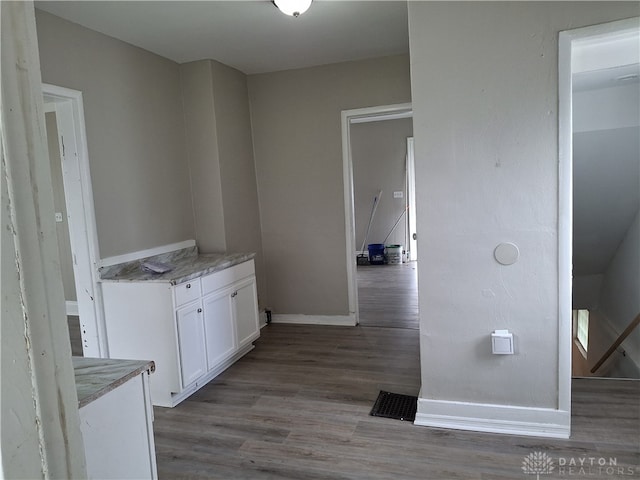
376, 253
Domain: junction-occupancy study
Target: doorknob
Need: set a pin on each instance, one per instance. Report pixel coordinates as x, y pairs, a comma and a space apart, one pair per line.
415, 236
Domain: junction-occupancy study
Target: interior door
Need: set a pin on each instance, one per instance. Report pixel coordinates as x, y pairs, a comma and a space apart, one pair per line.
412, 254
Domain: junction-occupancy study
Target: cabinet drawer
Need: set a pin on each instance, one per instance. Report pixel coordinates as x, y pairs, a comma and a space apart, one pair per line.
217, 280
187, 291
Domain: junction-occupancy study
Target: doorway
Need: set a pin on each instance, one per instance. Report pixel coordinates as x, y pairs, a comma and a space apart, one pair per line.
65, 115
377, 175
600, 199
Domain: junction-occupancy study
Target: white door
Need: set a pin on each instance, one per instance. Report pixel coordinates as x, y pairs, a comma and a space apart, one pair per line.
193, 363
83, 235
246, 312
218, 327
411, 199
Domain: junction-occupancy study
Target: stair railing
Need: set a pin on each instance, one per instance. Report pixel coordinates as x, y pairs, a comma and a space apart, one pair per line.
634, 323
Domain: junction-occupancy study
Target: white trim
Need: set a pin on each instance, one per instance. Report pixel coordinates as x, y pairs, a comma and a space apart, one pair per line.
505, 419
81, 215
150, 252
565, 222
72, 308
338, 320
348, 117
382, 117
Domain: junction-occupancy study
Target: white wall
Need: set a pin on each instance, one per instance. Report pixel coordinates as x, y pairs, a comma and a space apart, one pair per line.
485, 99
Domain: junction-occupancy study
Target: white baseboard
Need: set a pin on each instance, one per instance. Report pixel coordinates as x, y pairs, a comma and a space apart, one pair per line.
340, 320
72, 308
536, 422
130, 257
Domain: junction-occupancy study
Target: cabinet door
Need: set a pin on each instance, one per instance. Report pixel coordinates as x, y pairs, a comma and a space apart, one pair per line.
193, 362
218, 327
246, 311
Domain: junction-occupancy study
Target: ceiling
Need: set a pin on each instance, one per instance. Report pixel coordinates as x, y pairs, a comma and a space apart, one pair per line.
251, 36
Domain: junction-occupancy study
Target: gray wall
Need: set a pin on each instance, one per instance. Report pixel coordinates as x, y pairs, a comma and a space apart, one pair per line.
220, 152
620, 295
202, 154
59, 205
135, 134
378, 151
242, 226
297, 142
485, 100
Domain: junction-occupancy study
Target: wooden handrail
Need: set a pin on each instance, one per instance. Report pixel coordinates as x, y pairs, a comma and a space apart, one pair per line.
634, 323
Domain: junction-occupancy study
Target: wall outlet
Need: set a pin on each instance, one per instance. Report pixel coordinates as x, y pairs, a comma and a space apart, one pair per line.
398, 194
58, 217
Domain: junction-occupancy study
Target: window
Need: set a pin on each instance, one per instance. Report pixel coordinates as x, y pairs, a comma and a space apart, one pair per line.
581, 328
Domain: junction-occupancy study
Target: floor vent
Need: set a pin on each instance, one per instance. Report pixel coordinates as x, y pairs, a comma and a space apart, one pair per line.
395, 405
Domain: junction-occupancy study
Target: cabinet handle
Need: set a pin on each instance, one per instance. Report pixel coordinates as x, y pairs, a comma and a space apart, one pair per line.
188, 285
234, 294
199, 310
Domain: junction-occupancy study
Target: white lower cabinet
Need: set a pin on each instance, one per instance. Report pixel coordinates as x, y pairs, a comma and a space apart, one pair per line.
192, 331
245, 306
117, 432
219, 330
193, 361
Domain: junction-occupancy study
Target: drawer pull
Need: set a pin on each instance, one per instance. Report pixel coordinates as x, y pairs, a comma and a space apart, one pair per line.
188, 285
199, 310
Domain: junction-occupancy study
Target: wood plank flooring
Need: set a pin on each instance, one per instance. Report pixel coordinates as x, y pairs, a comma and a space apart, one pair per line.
388, 295
297, 407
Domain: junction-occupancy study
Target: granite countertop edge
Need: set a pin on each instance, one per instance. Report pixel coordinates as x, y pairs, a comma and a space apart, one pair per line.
184, 268
95, 377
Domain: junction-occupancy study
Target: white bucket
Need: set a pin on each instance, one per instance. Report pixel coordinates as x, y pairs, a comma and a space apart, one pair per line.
393, 253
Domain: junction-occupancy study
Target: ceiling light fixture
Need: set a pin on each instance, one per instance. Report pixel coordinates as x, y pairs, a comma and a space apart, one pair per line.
293, 8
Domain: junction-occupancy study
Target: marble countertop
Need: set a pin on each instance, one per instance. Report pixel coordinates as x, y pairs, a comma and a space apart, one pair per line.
186, 265
97, 376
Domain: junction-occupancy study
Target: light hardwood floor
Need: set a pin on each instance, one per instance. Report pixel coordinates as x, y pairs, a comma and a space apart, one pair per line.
297, 407
388, 295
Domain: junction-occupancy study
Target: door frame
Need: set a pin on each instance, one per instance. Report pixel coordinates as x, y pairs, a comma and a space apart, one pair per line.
359, 115
78, 191
568, 41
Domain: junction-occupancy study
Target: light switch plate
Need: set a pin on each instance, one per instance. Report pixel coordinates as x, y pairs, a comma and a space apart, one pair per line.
502, 342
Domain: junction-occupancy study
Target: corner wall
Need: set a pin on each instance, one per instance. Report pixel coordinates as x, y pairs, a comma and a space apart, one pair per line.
222, 170
485, 101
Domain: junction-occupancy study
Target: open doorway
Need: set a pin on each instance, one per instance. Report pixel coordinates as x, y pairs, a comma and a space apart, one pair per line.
77, 234
379, 188
600, 127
